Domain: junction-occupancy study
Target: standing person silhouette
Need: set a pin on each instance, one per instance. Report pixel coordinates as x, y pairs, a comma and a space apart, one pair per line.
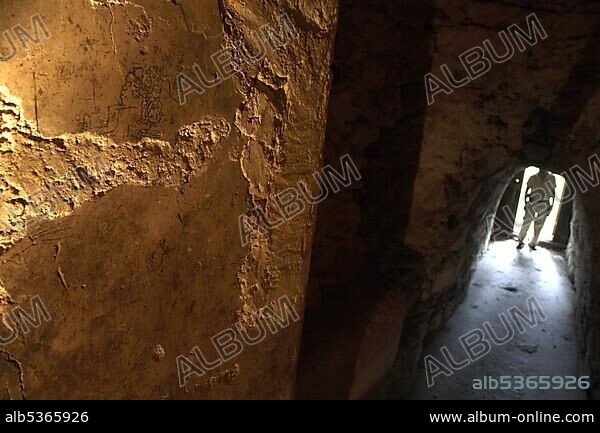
539, 200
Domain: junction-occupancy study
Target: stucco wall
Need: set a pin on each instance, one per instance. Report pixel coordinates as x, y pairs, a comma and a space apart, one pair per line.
145, 263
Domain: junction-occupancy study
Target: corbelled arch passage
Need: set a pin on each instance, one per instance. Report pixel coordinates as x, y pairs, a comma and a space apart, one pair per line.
407, 249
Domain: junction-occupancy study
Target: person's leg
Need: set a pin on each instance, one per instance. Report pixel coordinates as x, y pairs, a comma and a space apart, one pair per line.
537, 228
527, 220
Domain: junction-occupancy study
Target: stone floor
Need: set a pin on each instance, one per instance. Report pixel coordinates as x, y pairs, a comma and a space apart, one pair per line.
506, 277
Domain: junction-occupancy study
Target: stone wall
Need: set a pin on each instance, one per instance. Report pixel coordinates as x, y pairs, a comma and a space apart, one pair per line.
134, 247
580, 258
579, 261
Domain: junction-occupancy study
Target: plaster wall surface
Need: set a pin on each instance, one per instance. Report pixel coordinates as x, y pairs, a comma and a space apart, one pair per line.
144, 261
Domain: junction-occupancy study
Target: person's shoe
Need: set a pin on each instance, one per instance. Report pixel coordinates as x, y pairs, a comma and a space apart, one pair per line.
521, 245
533, 247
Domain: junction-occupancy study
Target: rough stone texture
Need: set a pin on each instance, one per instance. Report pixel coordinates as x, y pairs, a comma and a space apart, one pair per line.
138, 257
580, 253
48, 178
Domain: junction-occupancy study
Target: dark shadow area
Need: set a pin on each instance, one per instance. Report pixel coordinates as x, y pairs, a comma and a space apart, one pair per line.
359, 262
547, 130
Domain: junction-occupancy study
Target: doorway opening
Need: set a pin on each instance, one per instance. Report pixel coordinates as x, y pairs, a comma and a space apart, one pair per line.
511, 211
483, 338
551, 223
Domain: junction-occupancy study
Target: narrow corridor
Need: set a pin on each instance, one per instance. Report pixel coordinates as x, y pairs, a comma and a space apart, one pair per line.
505, 278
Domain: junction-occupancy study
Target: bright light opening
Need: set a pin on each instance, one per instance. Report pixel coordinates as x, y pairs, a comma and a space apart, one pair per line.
547, 233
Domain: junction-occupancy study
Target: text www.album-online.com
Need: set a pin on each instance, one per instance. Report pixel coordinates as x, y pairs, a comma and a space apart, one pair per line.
536, 417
